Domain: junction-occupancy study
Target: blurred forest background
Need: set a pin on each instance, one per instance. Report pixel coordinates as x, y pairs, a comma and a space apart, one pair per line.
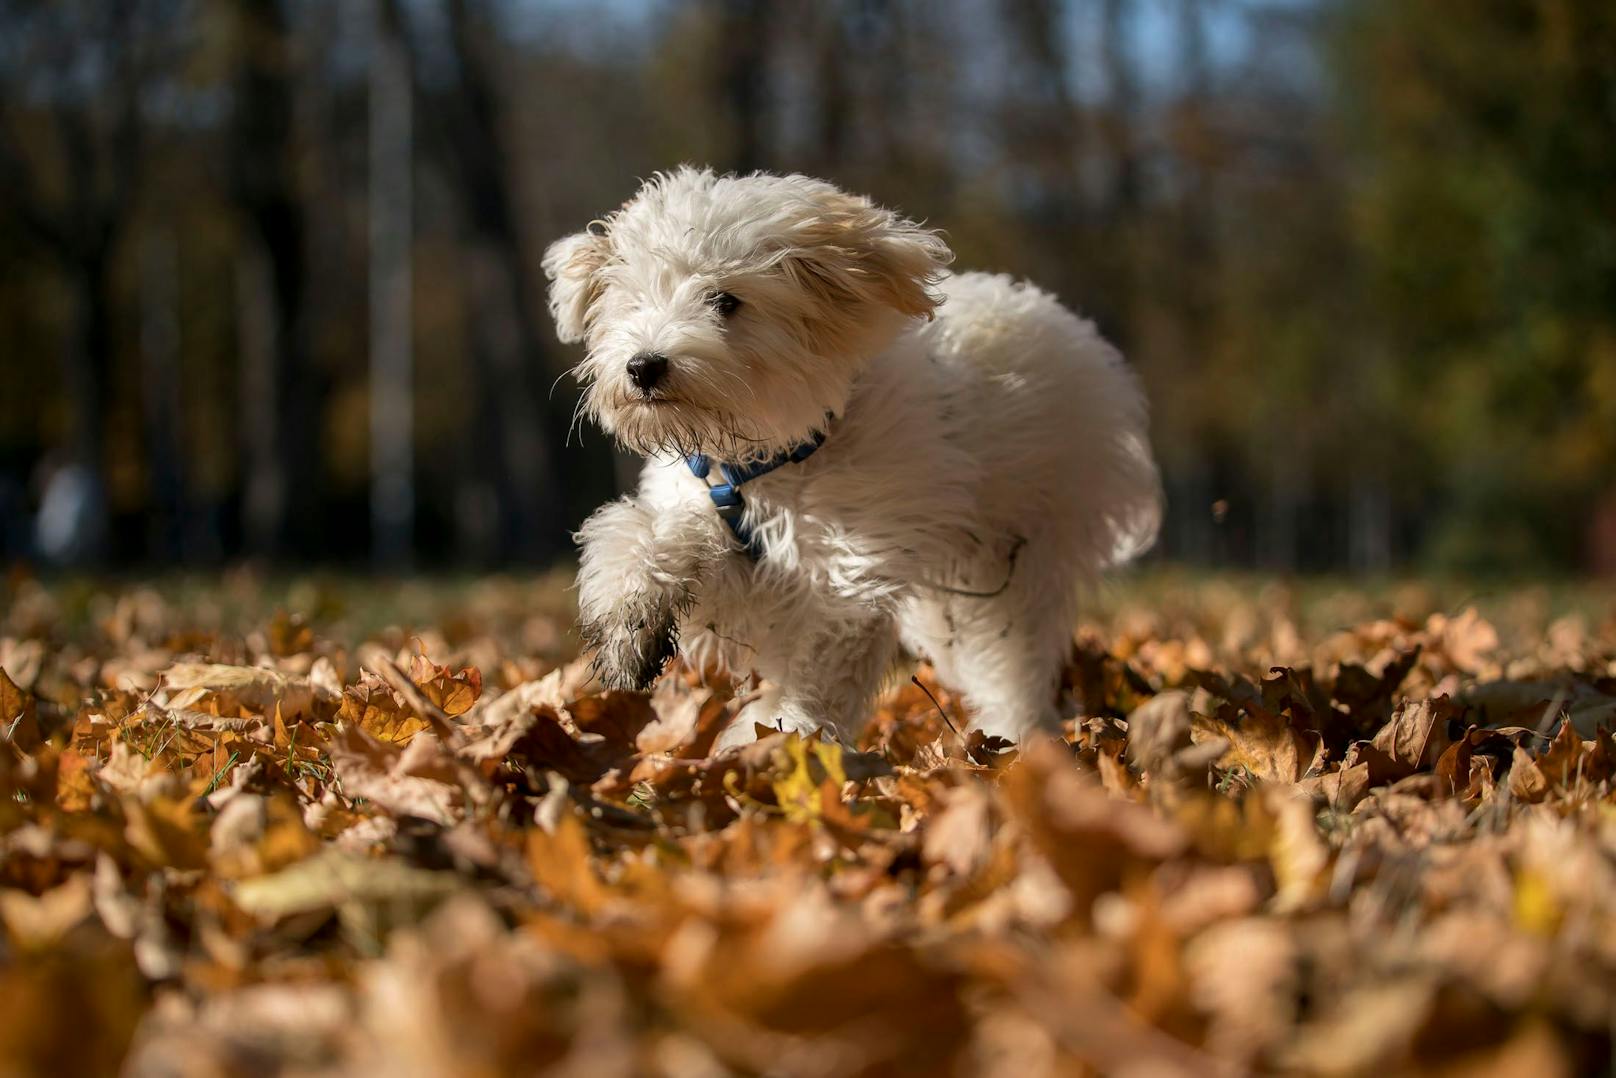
269, 288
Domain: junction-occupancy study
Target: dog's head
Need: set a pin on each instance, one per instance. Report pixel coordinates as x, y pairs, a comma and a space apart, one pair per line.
729, 314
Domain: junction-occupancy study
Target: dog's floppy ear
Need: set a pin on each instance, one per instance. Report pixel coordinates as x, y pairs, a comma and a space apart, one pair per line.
573, 265
851, 251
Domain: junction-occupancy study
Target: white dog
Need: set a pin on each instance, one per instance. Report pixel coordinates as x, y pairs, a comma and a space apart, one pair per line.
848, 448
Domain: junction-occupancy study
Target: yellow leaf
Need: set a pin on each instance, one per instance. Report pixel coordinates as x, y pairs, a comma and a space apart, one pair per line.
1535, 908
809, 772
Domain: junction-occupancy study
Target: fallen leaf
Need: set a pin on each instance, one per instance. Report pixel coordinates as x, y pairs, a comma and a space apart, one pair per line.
332, 880
372, 706
1417, 735
255, 689
19, 716
960, 835
1157, 730
418, 780
1264, 743
453, 691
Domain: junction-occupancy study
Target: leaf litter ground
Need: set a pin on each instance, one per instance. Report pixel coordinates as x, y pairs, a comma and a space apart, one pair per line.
1285, 830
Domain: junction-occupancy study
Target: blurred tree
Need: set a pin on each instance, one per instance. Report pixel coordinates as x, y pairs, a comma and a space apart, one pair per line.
167, 536
742, 72
520, 429
70, 167
1488, 217
390, 194
284, 480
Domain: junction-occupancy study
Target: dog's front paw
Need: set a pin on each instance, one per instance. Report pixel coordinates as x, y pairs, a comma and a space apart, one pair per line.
631, 652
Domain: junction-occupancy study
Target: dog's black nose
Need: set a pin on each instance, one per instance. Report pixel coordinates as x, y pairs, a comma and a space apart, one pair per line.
647, 369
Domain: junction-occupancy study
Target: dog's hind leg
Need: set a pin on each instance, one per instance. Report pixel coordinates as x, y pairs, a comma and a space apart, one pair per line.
1003, 651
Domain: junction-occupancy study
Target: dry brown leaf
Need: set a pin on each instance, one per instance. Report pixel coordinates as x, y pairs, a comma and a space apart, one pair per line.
256, 689
960, 834
1090, 839
1265, 744
1340, 790
453, 691
1417, 735
1157, 730
1369, 1029
372, 706
35, 923
1244, 974
1467, 640
679, 714
418, 780
1526, 780
19, 716
1565, 761
333, 880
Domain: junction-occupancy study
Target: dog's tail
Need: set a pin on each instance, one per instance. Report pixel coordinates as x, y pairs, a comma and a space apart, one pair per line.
1131, 502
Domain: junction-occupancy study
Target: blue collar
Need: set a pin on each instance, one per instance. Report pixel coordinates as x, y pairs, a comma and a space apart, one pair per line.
726, 495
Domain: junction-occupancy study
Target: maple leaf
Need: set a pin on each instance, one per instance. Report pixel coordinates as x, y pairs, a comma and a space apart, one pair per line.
1263, 742
453, 691
371, 705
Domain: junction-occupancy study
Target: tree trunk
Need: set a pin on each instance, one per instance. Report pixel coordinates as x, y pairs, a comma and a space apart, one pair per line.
1369, 524
1114, 300
161, 397
263, 505
392, 391
72, 525
1278, 539
531, 528
534, 517
265, 183
834, 96
1122, 100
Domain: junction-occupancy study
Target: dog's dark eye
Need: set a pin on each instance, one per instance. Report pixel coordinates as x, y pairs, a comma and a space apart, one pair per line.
724, 303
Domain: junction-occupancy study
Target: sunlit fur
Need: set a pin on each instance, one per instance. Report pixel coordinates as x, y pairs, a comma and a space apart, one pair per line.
986, 452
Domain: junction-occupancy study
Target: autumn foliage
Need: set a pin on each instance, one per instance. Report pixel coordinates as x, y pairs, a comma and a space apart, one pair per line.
1259, 845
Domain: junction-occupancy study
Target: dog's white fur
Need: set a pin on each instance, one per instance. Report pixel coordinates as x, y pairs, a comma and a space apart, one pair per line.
986, 455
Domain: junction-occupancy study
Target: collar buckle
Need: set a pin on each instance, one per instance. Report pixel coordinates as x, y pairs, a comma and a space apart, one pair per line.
726, 494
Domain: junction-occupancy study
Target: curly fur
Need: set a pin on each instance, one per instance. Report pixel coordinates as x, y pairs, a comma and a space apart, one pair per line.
987, 456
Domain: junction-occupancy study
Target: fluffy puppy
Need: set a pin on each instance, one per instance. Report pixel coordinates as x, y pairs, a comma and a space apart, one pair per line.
981, 453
